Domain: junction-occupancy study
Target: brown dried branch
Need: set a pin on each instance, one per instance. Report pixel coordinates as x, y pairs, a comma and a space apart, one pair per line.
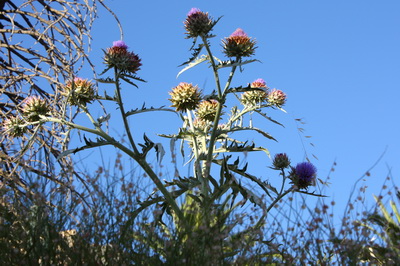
42, 45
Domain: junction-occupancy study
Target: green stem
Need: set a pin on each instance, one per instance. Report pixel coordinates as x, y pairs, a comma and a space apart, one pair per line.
214, 66
215, 127
197, 167
278, 198
136, 156
123, 115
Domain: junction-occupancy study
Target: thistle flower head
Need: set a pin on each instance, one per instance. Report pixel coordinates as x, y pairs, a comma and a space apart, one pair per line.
259, 83
281, 161
33, 107
13, 126
303, 175
185, 96
207, 110
194, 11
79, 91
238, 44
277, 98
119, 57
198, 23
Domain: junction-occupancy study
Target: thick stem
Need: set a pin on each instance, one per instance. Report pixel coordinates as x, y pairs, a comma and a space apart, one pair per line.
215, 126
123, 115
197, 168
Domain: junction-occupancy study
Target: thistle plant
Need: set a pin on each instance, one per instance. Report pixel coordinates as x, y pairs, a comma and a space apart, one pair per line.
219, 183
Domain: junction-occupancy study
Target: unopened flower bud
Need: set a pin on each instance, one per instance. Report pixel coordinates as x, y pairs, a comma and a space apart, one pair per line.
277, 98
238, 44
185, 96
33, 107
79, 91
201, 124
13, 127
207, 110
281, 161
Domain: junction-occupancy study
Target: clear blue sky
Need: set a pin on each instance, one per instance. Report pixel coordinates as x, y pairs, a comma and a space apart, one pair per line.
338, 61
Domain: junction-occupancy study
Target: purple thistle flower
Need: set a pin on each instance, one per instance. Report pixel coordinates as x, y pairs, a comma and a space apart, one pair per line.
238, 32
198, 23
194, 10
238, 44
120, 44
306, 171
303, 175
259, 83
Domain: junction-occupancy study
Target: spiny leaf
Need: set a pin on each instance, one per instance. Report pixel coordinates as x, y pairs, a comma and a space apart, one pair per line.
243, 89
102, 119
144, 109
105, 80
235, 147
182, 134
195, 53
231, 63
129, 81
89, 144
160, 152
147, 146
184, 183
107, 97
268, 117
265, 134
194, 63
264, 185
128, 76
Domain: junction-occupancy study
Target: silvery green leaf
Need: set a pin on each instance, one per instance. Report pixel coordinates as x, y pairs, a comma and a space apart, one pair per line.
89, 144
231, 63
160, 151
105, 80
102, 119
197, 61
148, 109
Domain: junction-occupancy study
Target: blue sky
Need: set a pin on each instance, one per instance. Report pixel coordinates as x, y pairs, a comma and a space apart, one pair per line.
338, 62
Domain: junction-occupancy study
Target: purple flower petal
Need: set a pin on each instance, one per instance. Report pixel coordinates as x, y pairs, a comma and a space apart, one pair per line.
120, 44
238, 32
260, 81
306, 171
194, 10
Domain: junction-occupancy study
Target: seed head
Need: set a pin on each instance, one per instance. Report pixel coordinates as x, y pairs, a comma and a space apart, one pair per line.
185, 96
238, 44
